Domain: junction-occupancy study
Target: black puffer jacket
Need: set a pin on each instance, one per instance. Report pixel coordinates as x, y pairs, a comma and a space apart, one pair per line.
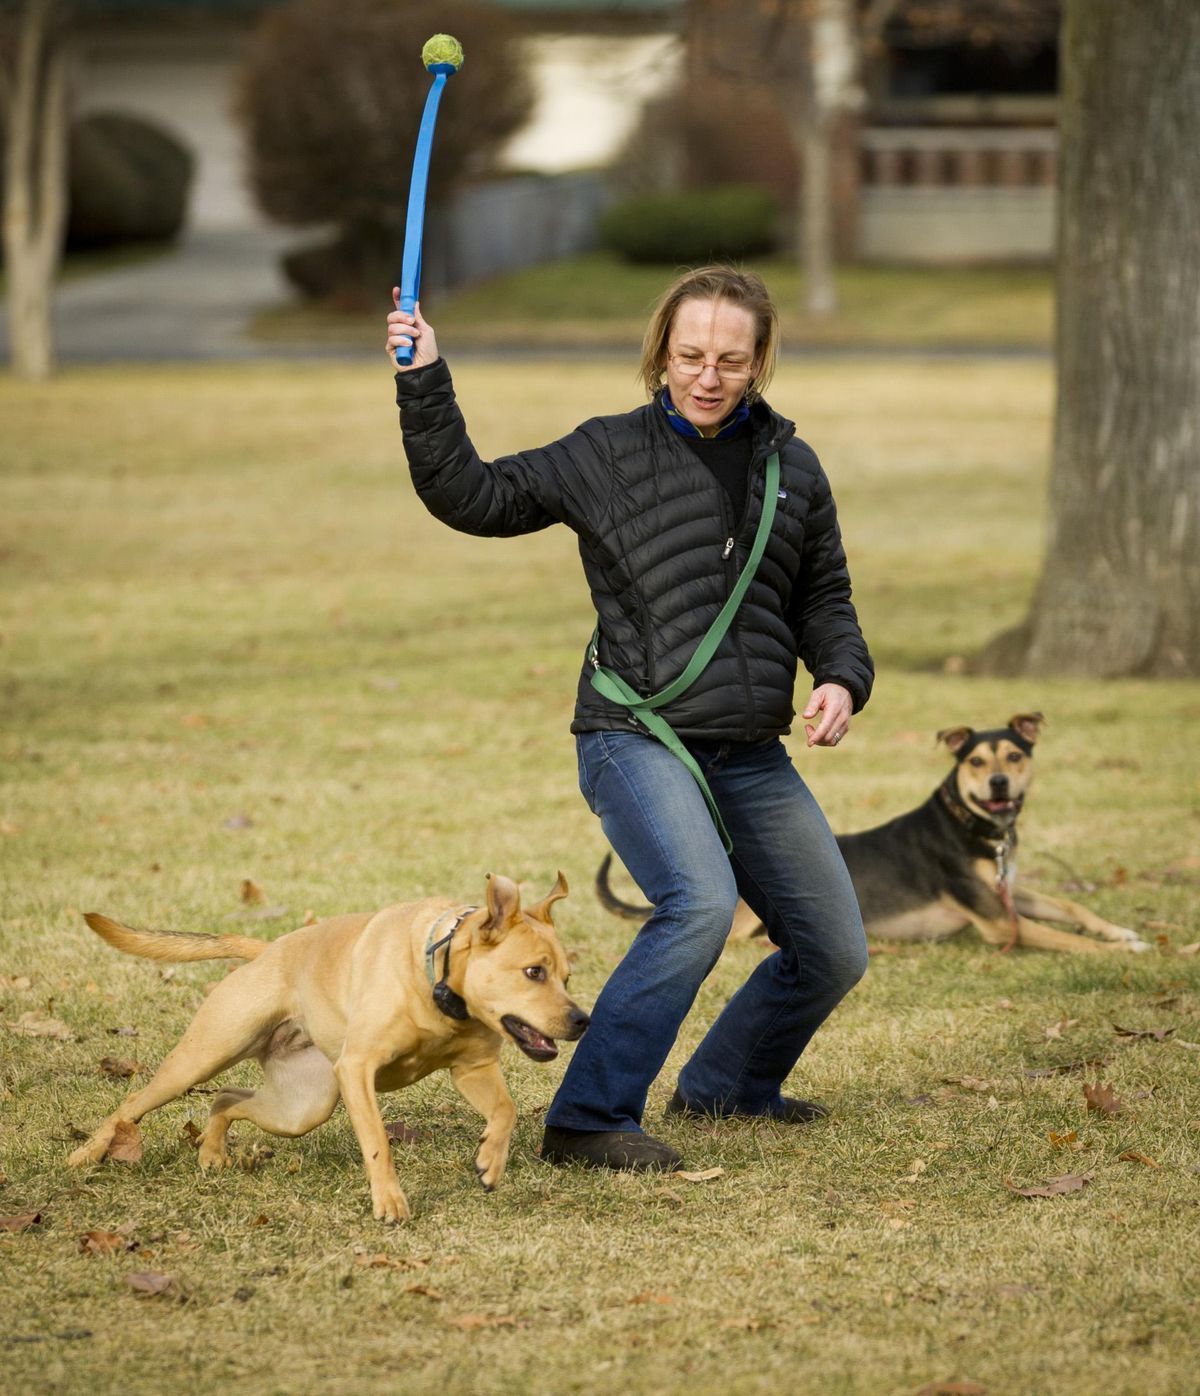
653, 525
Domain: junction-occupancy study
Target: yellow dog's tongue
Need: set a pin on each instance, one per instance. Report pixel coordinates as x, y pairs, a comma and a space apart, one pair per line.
533, 1043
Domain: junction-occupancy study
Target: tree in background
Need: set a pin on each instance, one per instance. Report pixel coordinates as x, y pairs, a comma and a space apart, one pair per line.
806, 58
1120, 587
33, 104
332, 92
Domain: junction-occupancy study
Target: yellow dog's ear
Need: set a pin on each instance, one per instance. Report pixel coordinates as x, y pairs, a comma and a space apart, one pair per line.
955, 737
541, 912
1028, 725
503, 904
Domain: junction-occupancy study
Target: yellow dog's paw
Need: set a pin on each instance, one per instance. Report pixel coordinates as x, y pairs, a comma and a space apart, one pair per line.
390, 1204
91, 1152
490, 1169
211, 1156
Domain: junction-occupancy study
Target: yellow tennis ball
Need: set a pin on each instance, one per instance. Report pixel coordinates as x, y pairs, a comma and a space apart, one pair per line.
442, 48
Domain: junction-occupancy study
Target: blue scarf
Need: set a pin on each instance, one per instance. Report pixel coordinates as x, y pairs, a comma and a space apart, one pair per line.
732, 424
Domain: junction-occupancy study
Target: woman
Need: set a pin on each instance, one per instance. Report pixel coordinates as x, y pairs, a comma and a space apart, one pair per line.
666, 502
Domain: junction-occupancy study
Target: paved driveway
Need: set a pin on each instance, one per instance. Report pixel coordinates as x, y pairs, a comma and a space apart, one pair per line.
193, 303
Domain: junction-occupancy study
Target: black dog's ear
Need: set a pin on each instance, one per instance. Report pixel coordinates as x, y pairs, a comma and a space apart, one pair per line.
504, 906
541, 912
955, 737
1028, 725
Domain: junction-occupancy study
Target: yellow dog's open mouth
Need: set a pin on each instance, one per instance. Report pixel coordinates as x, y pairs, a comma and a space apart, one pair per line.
533, 1043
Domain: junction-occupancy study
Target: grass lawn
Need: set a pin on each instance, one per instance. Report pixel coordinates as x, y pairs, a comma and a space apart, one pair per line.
599, 300
235, 647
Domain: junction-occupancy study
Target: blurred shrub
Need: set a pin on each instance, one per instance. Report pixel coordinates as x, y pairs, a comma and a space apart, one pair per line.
695, 225
332, 93
129, 181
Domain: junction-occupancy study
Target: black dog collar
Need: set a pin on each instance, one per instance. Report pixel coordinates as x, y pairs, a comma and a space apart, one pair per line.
445, 999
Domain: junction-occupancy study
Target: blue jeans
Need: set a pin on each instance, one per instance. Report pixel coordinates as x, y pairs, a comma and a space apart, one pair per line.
788, 868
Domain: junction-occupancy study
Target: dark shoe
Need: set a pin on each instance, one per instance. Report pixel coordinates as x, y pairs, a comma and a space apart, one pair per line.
789, 1111
626, 1150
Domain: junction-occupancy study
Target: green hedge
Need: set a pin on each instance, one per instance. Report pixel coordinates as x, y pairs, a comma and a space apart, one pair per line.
697, 225
129, 181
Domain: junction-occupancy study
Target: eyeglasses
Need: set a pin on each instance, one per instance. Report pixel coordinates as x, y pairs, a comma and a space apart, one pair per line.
693, 365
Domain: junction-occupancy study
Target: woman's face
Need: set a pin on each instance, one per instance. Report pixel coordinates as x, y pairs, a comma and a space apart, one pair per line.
719, 336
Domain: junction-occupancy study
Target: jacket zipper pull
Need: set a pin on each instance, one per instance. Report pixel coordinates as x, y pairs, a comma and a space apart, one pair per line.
728, 548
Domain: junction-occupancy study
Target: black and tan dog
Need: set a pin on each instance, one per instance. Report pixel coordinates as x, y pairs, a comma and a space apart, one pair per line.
951, 862
354, 1005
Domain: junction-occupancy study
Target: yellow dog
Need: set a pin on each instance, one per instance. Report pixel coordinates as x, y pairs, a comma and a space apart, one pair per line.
358, 1004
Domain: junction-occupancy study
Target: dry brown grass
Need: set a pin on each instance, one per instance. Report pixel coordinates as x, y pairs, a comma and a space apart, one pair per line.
235, 646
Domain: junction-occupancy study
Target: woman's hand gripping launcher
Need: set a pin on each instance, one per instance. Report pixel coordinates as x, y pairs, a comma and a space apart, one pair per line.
442, 56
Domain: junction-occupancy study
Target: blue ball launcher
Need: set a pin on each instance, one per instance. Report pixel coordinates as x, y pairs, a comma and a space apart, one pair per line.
414, 228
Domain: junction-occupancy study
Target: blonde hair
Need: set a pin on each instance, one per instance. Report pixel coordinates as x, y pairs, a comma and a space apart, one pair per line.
713, 283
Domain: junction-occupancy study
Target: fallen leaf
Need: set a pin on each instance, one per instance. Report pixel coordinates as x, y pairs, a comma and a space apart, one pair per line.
1158, 1034
1052, 1187
378, 1261
425, 1291
120, 1068
468, 1322
22, 1221
972, 1083
706, 1176
194, 720
1056, 1030
1102, 1099
261, 1220
191, 1133
952, 1388
252, 893
149, 1282
30, 1025
1191, 1046
253, 1156
1193, 949
1132, 1156
400, 1133
1064, 1068
126, 1144
1069, 1140
1005, 1003
667, 1195
22, 982
746, 1324
105, 1243
122, 1032
898, 1204
915, 1169
647, 1297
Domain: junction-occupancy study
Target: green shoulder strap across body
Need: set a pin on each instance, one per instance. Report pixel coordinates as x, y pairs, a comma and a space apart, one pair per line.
613, 687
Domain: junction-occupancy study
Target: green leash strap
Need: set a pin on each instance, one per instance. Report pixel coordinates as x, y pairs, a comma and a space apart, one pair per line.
612, 686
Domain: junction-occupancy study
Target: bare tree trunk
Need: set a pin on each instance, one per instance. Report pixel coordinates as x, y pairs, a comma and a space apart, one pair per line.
1120, 587
832, 90
35, 197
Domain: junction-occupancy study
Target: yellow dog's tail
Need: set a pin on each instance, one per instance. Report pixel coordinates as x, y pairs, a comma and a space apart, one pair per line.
173, 945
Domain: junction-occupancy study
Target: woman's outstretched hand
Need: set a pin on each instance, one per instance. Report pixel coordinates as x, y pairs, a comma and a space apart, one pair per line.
835, 705
404, 329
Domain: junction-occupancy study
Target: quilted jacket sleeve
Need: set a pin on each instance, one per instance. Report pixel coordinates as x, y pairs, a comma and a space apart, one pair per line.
823, 619
565, 482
